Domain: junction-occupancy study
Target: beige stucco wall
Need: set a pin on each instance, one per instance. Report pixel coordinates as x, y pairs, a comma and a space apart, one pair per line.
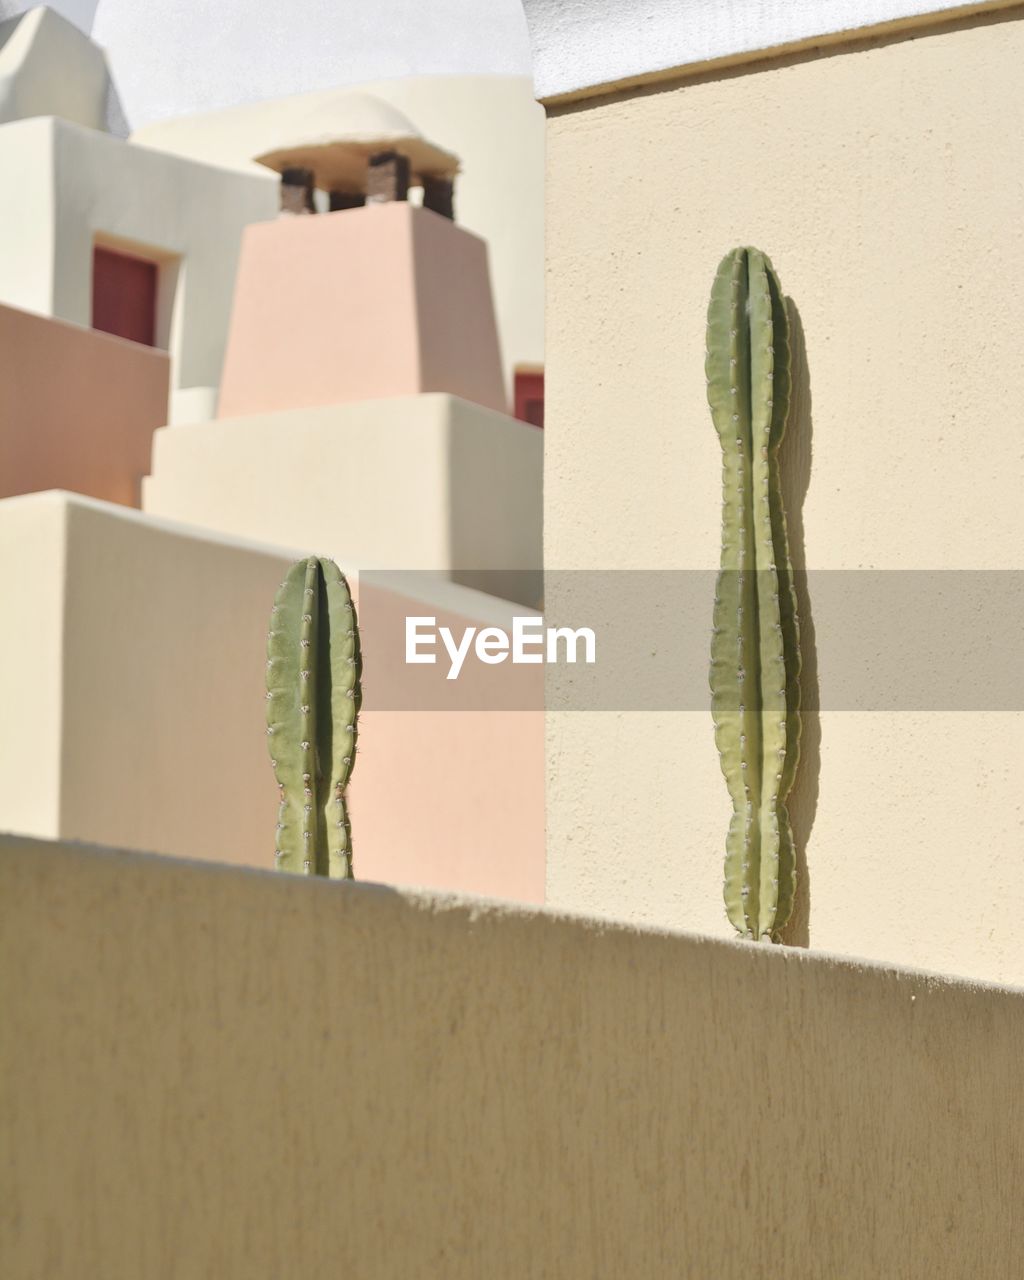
133, 687
33, 541
881, 181
211, 1071
386, 300
30, 222
78, 408
492, 123
409, 482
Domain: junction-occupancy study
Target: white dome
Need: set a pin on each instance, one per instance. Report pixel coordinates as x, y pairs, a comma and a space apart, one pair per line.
338, 134
357, 115
182, 57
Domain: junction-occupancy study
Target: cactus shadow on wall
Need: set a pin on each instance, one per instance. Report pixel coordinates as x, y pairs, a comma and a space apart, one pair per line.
795, 461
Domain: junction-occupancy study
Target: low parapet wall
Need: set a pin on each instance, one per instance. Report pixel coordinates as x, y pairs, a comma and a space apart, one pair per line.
212, 1071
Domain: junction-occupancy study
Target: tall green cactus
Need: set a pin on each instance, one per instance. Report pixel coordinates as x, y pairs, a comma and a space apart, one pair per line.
313, 695
755, 653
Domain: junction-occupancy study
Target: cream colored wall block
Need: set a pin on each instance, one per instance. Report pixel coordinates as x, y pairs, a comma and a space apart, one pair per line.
33, 539
194, 404
132, 674
890, 203
473, 1091
163, 745
28, 217
409, 482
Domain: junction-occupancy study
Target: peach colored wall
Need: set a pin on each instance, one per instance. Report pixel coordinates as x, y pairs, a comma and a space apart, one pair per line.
132, 674
451, 800
445, 798
77, 408
386, 300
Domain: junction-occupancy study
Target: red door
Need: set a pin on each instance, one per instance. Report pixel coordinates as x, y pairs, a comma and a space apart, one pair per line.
529, 389
124, 295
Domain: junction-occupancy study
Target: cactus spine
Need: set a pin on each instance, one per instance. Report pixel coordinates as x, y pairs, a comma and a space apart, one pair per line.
313, 695
755, 655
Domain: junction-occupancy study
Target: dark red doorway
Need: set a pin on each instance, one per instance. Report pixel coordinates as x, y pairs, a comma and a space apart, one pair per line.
124, 295
529, 392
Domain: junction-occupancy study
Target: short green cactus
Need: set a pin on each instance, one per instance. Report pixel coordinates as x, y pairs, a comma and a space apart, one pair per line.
755, 653
313, 695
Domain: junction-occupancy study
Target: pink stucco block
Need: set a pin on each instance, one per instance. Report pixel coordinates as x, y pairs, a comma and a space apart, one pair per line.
78, 408
386, 300
448, 788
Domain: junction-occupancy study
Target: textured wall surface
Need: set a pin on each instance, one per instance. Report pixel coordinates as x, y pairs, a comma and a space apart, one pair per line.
212, 1071
882, 184
581, 45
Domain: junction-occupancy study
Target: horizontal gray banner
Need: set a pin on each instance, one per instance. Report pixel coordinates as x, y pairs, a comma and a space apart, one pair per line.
640, 640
